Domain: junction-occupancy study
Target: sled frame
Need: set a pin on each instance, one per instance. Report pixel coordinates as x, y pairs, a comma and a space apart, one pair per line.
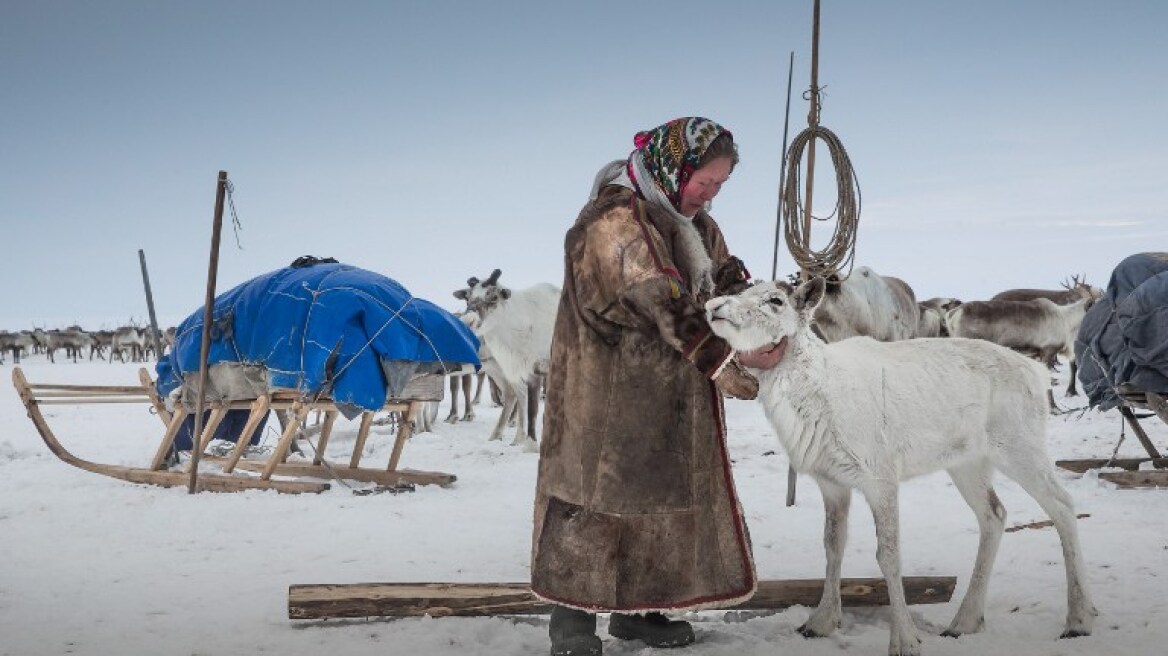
34, 395
1130, 400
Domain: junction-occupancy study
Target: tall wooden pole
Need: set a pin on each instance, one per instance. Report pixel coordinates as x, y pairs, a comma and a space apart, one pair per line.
150, 306
812, 124
783, 170
205, 343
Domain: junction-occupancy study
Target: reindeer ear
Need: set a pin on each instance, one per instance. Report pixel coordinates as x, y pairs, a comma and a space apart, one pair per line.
472, 281
504, 292
460, 294
807, 297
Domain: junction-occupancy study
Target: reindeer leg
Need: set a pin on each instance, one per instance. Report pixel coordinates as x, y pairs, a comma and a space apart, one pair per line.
467, 409
882, 497
533, 384
521, 414
480, 378
454, 383
1036, 475
836, 502
509, 404
975, 482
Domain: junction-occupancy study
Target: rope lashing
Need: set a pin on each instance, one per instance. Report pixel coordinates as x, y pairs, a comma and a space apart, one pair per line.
839, 252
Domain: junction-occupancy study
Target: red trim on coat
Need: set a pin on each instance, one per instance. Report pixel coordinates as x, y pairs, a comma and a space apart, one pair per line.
638, 210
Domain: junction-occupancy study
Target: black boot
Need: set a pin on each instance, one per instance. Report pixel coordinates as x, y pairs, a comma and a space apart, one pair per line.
573, 633
654, 629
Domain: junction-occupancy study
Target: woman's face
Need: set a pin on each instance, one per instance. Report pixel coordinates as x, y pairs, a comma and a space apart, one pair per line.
704, 184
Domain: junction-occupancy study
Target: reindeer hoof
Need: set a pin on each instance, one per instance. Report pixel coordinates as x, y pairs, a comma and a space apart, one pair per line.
809, 633
949, 633
1072, 633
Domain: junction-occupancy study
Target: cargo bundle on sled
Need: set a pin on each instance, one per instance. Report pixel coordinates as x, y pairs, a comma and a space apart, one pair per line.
313, 337
1123, 363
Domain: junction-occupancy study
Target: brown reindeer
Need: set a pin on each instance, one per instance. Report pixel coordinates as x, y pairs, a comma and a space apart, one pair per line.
1074, 290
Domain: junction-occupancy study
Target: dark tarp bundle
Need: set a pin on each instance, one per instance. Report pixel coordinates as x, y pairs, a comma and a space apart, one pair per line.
318, 328
229, 429
1123, 339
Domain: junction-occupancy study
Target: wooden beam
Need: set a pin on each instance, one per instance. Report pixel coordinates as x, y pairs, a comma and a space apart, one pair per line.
1137, 479
322, 601
1130, 464
101, 389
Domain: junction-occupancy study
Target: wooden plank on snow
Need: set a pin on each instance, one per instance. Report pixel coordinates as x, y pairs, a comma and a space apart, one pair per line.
1137, 479
1130, 464
324, 601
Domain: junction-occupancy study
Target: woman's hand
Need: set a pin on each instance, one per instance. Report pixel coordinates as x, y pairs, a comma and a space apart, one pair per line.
766, 357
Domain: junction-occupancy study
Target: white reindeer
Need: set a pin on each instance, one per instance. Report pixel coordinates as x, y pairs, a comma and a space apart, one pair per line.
865, 415
517, 328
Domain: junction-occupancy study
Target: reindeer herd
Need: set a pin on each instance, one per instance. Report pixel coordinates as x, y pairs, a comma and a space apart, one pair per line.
1040, 323
126, 344
515, 327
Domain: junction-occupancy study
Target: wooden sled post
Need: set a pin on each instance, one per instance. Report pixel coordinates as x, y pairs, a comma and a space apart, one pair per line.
326, 430
299, 411
1142, 436
405, 429
259, 410
155, 399
362, 435
172, 429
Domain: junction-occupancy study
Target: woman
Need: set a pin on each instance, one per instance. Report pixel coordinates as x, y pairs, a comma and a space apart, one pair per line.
635, 510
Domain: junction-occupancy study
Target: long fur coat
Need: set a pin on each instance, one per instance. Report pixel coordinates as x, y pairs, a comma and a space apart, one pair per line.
635, 505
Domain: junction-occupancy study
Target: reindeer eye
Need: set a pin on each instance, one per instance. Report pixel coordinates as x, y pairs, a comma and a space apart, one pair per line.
775, 301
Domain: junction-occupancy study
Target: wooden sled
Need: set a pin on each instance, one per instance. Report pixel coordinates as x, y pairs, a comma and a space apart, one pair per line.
1130, 400
34, 395
317, 602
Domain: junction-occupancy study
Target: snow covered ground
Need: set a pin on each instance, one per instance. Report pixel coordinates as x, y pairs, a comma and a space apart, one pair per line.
95, 566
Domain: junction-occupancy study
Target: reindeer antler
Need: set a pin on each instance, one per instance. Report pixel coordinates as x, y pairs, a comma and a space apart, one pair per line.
494, 279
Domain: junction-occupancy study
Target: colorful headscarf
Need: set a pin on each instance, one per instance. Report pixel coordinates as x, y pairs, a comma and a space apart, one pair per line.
670, 153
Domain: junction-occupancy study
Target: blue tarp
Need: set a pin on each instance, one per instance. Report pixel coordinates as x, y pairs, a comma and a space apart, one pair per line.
326, 327
1123, 339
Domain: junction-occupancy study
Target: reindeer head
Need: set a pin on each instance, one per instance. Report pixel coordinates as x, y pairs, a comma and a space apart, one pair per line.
764, 314
1078, 285
484, 296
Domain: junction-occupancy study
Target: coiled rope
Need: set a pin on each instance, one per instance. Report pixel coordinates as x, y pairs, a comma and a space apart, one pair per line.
838, 254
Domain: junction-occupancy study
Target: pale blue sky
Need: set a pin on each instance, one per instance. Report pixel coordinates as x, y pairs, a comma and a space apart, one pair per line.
997, 143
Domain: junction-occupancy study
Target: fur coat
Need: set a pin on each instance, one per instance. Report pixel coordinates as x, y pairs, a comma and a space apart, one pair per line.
635, 505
